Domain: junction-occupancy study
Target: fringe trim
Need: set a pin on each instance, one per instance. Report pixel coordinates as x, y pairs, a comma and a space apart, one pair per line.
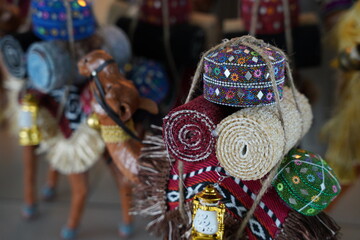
154, 167
74, 155
151, 195
301, 227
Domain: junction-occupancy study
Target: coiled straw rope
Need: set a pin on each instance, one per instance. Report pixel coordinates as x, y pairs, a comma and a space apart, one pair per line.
250, 141
256, 45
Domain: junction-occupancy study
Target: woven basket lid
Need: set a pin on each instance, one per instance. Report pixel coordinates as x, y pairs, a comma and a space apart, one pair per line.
49, 19
152, 11
49, 66
238, 76
306, 182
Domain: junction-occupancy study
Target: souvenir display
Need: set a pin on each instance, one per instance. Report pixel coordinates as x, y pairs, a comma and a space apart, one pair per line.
196, 169
202, 144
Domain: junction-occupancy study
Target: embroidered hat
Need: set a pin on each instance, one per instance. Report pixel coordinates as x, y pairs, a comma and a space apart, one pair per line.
49, 19
270, 15
152, 11
238, 76
150, 78
306, 182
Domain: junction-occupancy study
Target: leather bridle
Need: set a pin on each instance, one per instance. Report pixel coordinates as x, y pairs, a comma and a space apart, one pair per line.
100, 98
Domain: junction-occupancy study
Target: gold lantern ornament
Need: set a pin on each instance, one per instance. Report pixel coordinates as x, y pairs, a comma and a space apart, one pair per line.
29, 134
208, 215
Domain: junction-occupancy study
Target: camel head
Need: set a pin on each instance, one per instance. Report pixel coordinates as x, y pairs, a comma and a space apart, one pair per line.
120, 94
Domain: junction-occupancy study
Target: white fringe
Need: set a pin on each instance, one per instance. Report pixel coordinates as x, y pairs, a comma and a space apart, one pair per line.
76, 154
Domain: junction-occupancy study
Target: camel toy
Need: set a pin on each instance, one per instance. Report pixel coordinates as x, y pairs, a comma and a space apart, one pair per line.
70, 150
118, 95
117, 99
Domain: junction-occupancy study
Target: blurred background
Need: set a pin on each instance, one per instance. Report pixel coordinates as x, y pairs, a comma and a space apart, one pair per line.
211, 21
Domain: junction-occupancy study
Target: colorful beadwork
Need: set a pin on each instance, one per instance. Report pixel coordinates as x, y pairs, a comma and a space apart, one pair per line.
308, 187
238, 76
50, 20
150, 78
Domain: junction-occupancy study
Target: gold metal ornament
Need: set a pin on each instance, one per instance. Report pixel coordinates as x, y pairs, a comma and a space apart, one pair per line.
93, 121
115, 134
208, 215
29, 134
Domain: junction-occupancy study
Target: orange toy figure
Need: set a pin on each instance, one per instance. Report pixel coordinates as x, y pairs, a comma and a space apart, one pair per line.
116, 101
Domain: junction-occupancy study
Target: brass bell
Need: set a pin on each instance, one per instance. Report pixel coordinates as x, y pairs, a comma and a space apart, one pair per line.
29, 134
93, 121
208, 215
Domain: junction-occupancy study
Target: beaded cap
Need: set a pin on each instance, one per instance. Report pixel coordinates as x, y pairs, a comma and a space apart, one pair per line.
306, 182
150, 78
270, 15
178, 11
238, 76
50, 21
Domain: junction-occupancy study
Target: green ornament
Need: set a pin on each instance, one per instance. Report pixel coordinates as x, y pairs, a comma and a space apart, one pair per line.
306, 182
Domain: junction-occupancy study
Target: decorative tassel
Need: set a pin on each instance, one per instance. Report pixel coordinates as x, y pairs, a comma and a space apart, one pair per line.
319, 227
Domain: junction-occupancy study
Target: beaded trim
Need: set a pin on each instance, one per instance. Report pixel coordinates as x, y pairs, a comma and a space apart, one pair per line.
242, 65
115, 134
242, 85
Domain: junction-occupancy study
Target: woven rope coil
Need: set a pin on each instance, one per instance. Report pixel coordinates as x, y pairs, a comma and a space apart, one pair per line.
189, 149
251, 141
187, 129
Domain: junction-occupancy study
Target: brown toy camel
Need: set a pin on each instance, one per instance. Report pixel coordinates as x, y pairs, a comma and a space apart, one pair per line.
116, 101
122, 97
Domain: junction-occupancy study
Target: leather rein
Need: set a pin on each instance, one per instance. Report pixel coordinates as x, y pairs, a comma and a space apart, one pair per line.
100, 98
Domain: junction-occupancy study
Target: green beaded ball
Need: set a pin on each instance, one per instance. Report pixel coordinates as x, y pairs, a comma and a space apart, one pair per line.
306, 182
